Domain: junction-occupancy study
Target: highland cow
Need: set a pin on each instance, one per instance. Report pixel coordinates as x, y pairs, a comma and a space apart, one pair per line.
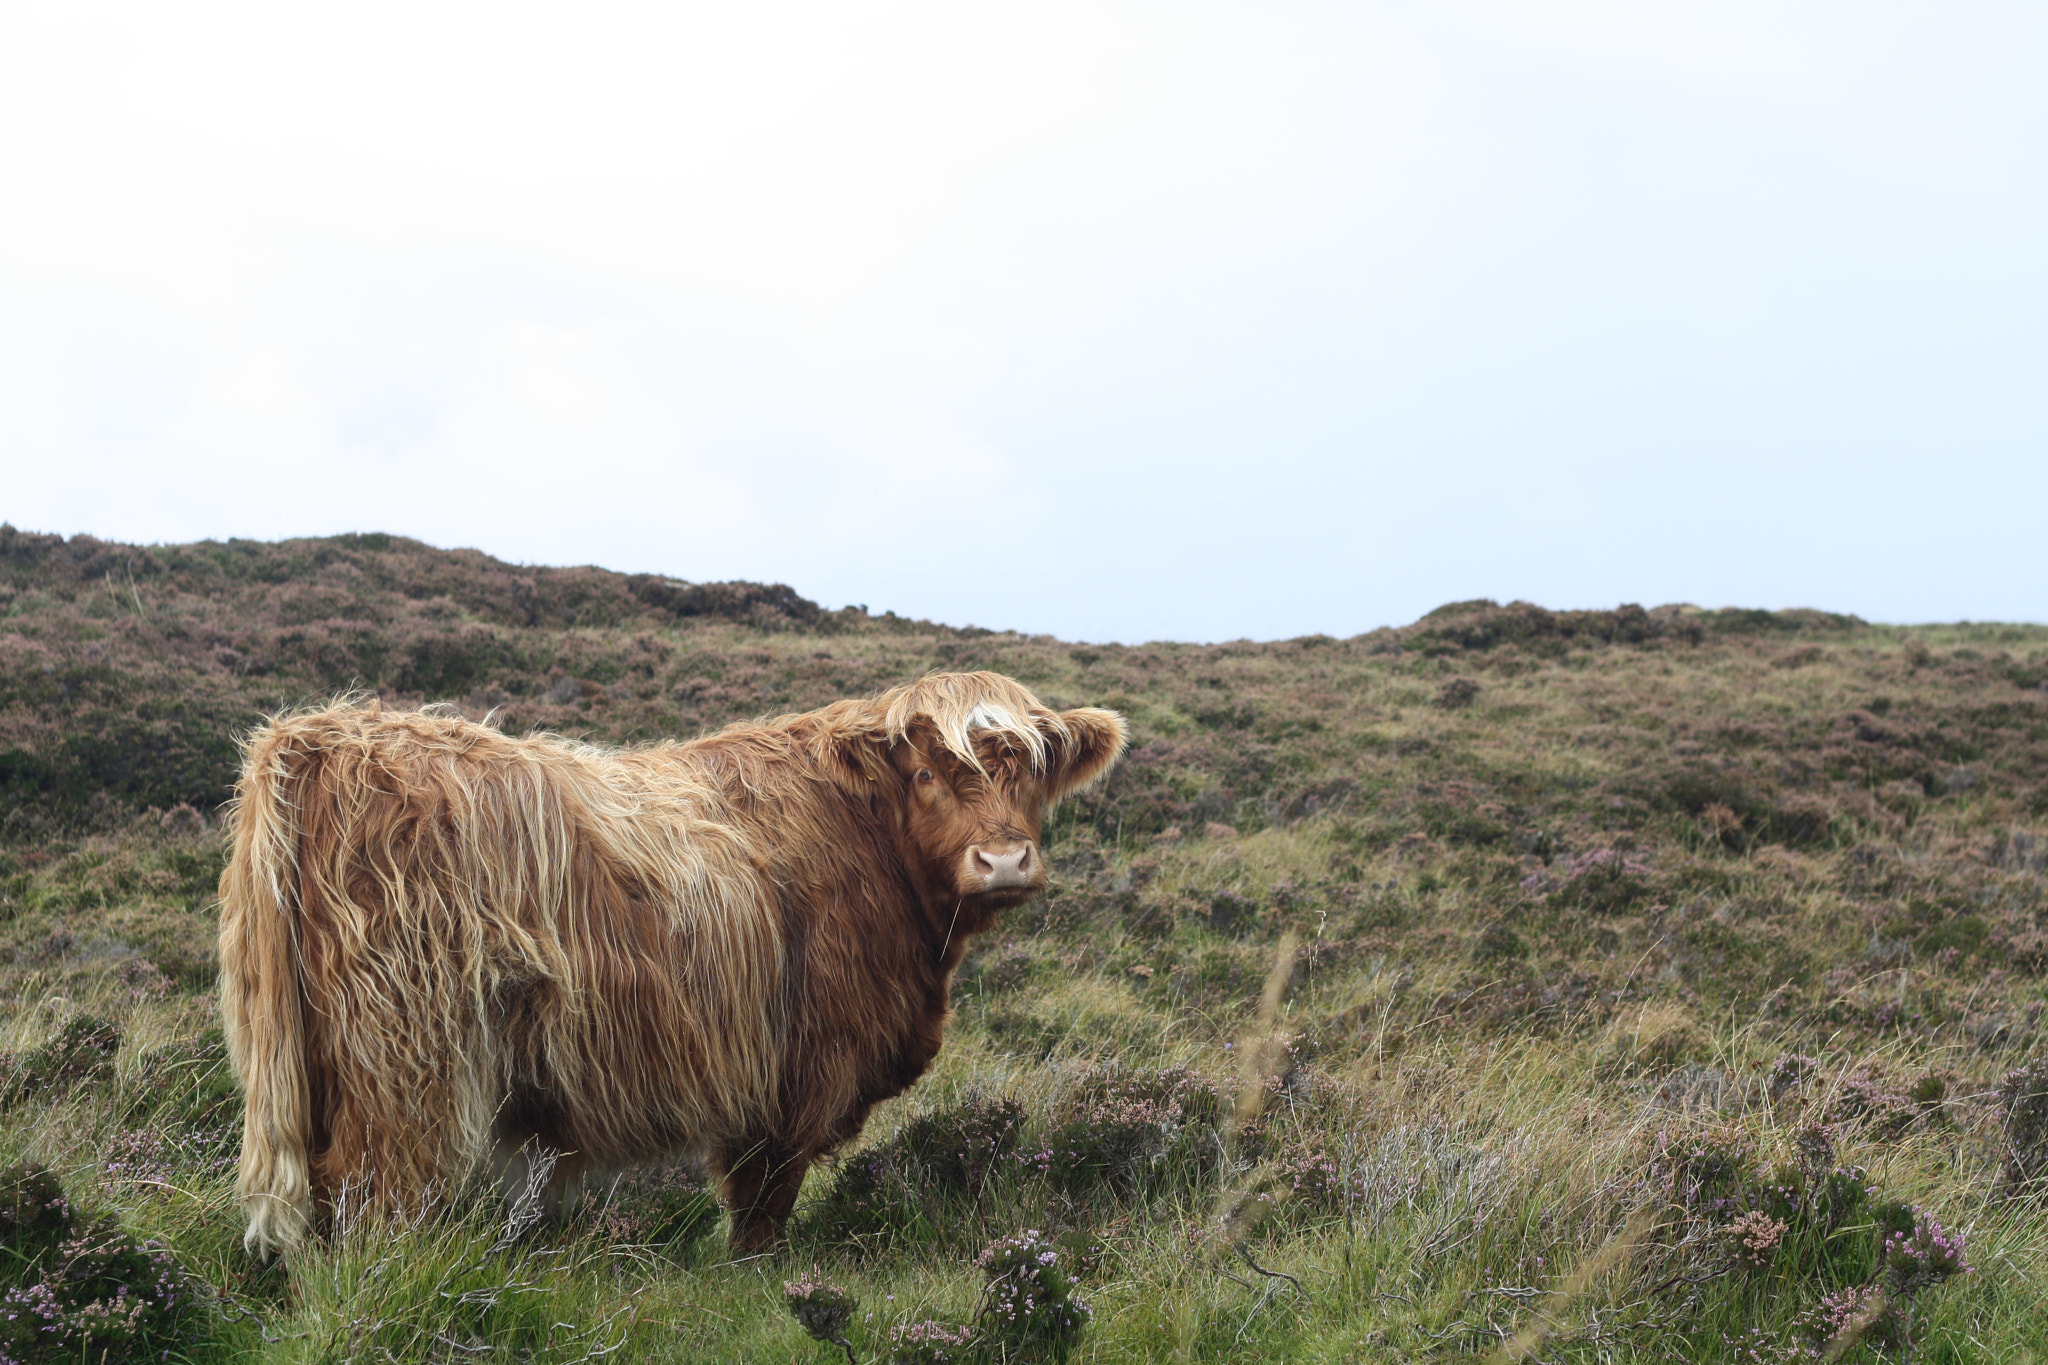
442, 946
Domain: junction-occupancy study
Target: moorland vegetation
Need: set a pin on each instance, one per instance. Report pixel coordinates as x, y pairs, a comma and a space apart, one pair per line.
1516, 984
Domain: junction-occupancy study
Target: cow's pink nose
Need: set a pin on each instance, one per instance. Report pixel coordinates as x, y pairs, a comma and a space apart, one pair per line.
1006, 863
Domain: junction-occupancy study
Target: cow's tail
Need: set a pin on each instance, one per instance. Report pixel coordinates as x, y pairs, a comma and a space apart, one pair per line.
261, 1004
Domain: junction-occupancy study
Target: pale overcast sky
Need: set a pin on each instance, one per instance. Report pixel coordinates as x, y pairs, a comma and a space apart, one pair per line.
1116, 320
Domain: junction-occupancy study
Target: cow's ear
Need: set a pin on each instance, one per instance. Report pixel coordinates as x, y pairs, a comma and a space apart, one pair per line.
1093, 739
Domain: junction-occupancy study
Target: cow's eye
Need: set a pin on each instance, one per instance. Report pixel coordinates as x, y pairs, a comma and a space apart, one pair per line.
926, 775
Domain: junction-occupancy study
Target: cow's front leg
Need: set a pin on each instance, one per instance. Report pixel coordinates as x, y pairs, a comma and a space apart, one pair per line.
760, 1189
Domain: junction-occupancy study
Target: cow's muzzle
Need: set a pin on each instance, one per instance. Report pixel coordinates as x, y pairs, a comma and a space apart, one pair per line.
1002, 865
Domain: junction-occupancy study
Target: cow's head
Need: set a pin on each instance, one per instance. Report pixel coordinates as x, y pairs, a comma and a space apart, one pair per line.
972, 763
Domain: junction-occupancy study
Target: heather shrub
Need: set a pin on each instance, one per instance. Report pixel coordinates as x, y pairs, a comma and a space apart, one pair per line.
1812, 1220
871, 1196
1802, 818
1708, 1171
1496, 941
81, 1289
1811, 1206
1753, 1238
1922, 1254
1315, 1177
1457, 693
1132, 1133
1869, 1100
1031, 1307
1789, 1074
664, 1205
1846, 1317
1917, 1254
2023, 1114
931, 1343
1791, 1214
81, 1052
942, 1154
1161, 787
1723, 825
34, 1214
1601, 881
149, 1156
822, 1309
1483, 625
958, 1148
1232, 913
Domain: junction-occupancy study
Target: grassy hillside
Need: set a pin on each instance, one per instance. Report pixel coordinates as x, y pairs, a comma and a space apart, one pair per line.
1521, 984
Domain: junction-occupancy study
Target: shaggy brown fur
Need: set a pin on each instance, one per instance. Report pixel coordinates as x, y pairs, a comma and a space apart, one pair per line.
439, 942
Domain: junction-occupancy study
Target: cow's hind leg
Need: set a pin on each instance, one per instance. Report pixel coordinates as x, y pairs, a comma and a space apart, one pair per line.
538, 1180
760, 1189
367, 1173
394, 1146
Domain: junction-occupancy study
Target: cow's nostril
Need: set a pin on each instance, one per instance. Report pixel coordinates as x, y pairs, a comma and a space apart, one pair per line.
996, 867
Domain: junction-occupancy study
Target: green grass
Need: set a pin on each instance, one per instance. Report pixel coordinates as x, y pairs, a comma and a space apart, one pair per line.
1486, 1174
1555, 932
